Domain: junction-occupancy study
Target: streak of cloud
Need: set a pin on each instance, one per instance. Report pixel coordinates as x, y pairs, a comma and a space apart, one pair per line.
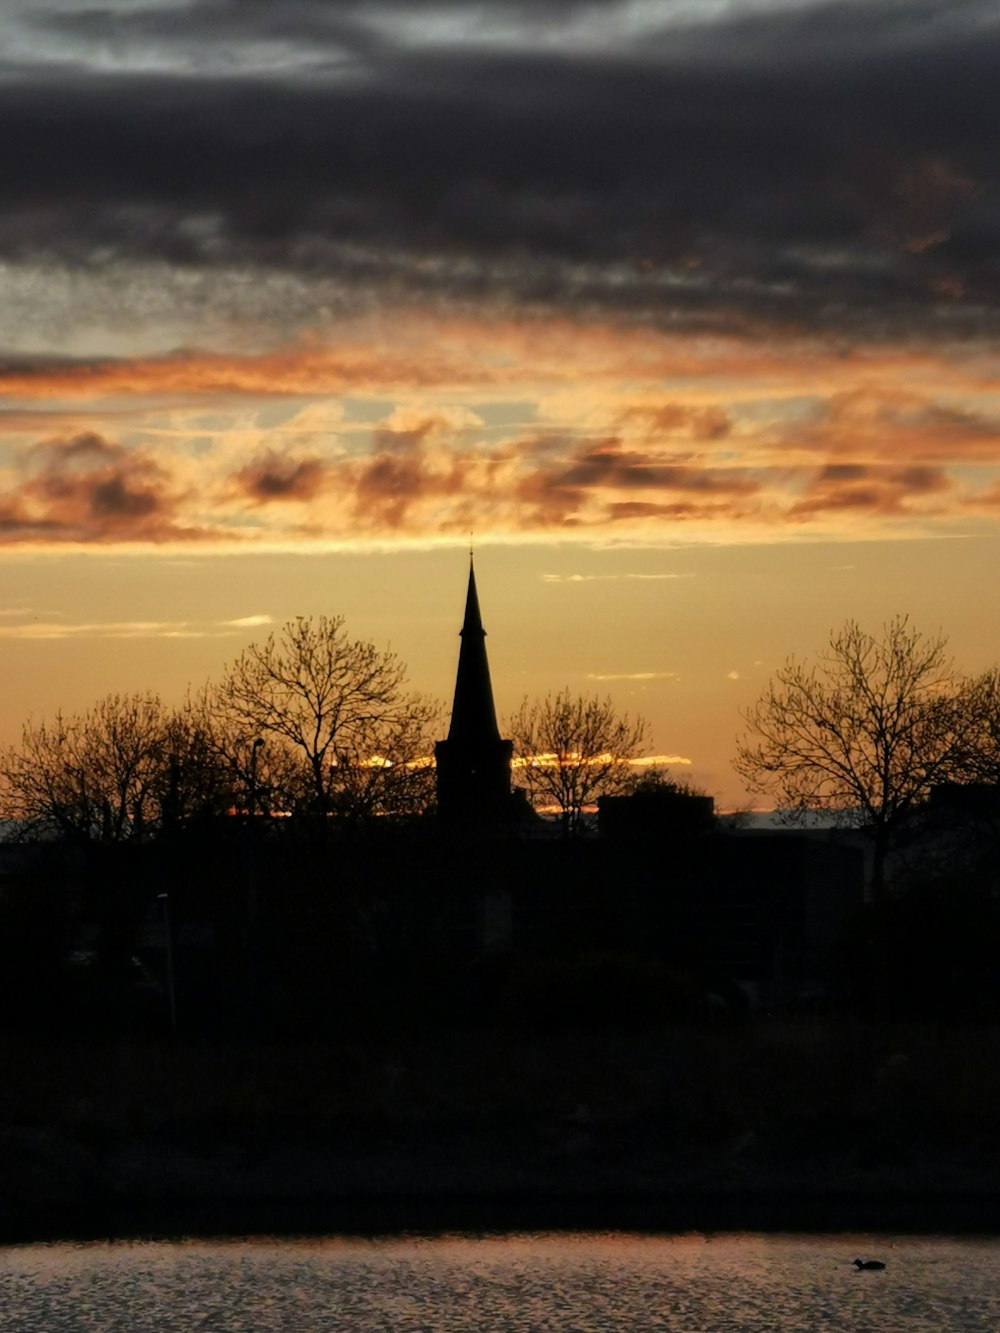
632, 675
60, 630
660, 760
612, 578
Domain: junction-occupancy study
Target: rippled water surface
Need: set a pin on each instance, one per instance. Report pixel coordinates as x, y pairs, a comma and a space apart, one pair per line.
474, 1285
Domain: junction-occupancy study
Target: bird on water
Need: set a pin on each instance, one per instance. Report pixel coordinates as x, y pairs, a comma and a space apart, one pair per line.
871, 1264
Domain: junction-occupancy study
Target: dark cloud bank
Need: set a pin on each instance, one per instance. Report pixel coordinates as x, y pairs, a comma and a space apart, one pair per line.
832, 169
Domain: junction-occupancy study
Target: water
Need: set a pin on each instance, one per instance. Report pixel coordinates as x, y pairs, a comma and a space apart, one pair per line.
725, 1284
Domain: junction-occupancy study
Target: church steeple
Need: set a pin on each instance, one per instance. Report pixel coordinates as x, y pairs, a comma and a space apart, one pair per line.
473, 714
473, 764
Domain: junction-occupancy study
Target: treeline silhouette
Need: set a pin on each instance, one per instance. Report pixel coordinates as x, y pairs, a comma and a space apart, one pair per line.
265, 861
308, 722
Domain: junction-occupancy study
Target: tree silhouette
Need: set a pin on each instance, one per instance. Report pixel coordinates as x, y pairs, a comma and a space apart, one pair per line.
91, 777
116, 773
197, 777
338, 706
571, 749
981, 754
862, 734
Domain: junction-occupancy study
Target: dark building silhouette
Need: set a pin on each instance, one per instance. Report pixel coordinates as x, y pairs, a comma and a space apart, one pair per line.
656, 812
473, 764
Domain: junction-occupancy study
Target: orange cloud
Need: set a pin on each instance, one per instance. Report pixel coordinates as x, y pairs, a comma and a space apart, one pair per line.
85, 488
875, 423
422, 353
884, 491
273, 477
672, 418
633, 433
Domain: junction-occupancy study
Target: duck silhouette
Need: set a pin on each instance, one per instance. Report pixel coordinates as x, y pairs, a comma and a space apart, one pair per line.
871, 1264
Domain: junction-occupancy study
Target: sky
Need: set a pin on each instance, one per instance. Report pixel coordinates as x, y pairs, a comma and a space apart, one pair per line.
686, 309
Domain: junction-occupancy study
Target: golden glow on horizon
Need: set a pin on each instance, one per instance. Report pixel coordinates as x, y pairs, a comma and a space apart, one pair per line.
664, 516
699, 407
572, 759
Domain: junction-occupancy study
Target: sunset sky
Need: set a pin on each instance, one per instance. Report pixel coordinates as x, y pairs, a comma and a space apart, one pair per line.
687, 308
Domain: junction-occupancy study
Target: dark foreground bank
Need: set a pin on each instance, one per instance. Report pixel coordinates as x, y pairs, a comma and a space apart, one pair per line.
903, 1213
763, 1126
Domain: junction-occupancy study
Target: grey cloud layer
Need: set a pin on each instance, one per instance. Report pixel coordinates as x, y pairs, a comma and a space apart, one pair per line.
834, 166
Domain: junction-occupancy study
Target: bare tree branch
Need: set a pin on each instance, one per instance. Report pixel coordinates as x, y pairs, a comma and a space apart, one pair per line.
94, 777
863, 734
571, 749
338, 706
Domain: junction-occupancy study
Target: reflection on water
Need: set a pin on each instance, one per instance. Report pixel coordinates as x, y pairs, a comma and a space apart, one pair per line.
476, 1285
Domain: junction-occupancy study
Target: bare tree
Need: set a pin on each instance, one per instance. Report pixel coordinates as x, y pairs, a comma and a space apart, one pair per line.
657, 778
207, 771
337, 704
862, 734
571, 749
218, 767
397, 777
981, 703
91, 777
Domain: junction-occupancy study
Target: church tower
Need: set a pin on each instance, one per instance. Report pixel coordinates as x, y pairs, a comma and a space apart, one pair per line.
473, 764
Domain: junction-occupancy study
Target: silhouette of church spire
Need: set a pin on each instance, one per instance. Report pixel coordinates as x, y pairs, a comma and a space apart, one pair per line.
473, 764
473, 714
